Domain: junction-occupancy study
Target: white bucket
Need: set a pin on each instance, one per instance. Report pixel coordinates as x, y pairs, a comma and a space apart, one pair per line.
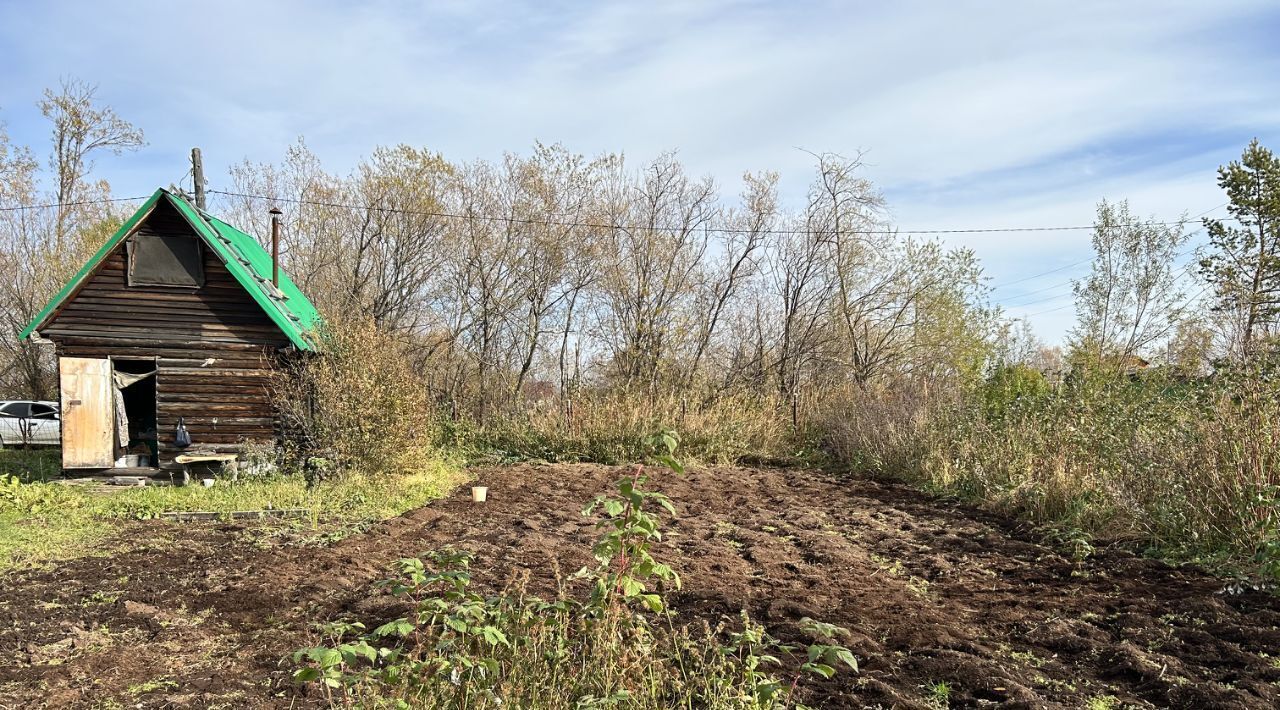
479, 493
206, 482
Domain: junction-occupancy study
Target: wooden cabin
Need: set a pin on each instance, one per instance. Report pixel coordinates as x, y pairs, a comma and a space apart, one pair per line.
175, 318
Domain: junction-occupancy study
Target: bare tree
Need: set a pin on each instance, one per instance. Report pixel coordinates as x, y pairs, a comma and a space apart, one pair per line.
656, 248
82, 128
740, 247
42, 248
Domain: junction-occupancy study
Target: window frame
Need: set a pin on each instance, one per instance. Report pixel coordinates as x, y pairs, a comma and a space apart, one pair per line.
51, 414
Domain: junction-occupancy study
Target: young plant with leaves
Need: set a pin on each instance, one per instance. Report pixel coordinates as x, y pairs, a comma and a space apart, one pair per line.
457, 648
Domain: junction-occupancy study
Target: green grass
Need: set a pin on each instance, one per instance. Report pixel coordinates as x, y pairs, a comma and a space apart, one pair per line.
42, 522
31, 464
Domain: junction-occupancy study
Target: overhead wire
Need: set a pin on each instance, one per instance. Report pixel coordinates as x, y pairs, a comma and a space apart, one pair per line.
1071, 282
1185, 270
1215, 208
656, 228
78, 203
597, 225
546, 222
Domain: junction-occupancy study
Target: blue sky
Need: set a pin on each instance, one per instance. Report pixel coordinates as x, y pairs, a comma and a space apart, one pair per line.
973, 114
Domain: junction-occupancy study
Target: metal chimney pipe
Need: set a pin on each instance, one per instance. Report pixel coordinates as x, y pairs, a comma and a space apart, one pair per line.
275, 246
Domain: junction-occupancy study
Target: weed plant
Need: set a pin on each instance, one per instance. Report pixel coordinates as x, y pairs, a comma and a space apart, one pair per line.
620, 647
614, 428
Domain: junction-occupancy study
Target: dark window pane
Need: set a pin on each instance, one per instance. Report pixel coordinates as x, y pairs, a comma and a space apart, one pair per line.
43, 411
17, 409
165, 260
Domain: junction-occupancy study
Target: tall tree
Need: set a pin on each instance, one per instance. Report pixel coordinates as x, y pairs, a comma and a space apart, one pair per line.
656, 248
82, 128
1130, 301
40, 248
1244, 262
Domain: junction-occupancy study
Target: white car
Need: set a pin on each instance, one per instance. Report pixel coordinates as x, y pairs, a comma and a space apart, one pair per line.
26, 422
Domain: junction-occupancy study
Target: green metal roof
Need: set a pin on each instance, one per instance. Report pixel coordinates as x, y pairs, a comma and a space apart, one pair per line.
244, 257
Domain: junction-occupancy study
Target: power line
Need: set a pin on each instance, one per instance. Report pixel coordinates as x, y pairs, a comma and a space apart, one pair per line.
1086, 261
596, 225
1043, 273
657, 228
515, 220
1051, 310
20, 208
1185, 268
1185, 271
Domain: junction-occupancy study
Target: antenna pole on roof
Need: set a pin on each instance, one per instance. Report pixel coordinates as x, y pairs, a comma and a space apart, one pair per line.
275, 246
197, 176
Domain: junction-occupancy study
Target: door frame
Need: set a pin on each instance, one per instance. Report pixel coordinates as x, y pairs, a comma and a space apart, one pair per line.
155, 402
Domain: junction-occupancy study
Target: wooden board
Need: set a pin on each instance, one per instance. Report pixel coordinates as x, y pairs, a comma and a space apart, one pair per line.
87, 421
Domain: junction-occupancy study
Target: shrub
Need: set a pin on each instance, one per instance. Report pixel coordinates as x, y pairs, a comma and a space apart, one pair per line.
1185, 468
358, 406
1012, 385
614, 427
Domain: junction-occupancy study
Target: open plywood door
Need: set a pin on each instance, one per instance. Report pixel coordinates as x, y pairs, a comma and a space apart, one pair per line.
87, 415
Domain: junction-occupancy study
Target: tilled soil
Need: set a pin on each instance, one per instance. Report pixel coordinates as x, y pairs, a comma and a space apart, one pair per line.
201, 615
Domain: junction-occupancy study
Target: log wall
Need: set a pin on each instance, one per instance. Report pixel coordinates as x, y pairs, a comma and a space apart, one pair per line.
215, 348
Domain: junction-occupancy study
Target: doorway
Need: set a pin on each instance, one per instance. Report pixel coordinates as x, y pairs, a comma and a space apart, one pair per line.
136, 431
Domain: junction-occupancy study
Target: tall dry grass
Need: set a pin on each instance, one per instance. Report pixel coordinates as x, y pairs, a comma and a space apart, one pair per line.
614, 426
1189, 468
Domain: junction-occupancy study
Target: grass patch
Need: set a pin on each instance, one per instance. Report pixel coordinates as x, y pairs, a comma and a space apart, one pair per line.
42, 521
27, 540
31, 464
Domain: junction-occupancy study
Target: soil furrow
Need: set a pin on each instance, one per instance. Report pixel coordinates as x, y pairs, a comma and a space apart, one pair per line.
198, 615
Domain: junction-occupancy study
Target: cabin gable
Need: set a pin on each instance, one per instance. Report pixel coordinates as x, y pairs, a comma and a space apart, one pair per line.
111, 303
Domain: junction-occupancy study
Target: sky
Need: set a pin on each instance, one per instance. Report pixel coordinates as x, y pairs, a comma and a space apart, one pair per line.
970, 115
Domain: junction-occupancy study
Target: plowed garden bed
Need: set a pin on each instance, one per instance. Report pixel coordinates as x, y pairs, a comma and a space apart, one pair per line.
201, 615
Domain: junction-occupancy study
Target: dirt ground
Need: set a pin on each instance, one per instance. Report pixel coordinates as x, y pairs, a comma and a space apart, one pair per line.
201, 615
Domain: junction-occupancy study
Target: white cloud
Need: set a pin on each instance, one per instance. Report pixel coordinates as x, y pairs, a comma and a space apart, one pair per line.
974, 114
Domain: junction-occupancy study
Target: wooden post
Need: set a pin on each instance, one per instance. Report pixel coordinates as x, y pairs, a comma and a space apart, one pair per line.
197, 176
275, 246
795, 411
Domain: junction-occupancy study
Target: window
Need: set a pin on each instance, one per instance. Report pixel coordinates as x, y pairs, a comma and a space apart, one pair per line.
16, 409
165, 260
43, 411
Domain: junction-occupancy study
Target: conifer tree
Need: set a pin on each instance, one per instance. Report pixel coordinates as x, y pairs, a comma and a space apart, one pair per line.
1243, 264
